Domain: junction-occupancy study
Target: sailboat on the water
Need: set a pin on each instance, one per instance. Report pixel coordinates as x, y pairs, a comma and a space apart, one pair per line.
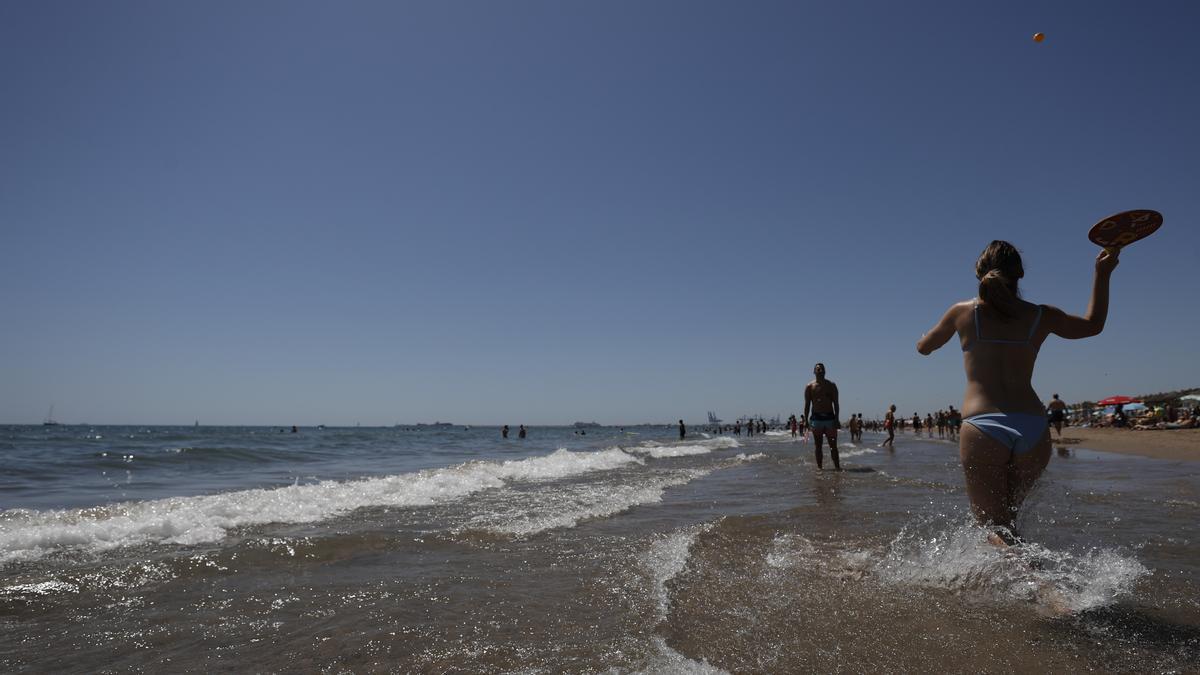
50, 421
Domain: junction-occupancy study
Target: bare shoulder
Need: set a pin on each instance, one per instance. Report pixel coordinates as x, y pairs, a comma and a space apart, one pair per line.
961, 308
957, 312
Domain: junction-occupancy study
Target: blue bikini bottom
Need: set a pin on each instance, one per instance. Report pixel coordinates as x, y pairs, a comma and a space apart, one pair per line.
1018, 432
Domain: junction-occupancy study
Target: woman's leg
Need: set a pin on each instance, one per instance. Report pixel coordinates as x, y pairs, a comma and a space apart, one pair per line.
1025, 470
985, 464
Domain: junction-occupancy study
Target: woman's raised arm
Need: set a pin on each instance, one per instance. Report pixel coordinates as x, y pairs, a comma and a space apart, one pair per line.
1075, 327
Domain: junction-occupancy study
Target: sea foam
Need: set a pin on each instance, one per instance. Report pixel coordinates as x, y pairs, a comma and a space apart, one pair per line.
667, 557
27, 534
565, 506
663, 450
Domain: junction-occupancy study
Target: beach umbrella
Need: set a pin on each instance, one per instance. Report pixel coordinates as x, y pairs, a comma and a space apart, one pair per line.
1116, 400
1135, 406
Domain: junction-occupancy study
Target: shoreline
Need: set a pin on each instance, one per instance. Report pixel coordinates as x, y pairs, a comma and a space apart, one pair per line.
1170, 444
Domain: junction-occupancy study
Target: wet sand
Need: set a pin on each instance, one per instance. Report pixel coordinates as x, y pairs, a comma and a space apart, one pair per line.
1172, 444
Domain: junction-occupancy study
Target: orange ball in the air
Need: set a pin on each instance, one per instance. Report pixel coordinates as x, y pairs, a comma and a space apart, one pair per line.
1038, 37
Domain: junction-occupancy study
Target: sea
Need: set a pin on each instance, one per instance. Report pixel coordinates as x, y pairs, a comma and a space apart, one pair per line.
615, 550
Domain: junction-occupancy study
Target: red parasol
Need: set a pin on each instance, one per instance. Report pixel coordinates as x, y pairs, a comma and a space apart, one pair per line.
1116, 400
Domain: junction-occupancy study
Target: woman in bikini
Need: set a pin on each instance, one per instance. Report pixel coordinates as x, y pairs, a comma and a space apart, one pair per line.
1005, 444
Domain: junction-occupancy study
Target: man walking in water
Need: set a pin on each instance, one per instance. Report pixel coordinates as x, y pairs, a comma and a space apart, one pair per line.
682, 430
1058, 412
821, 396
889, 425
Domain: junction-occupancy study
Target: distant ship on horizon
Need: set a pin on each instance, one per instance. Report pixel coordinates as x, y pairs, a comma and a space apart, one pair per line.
50, 421
586, 425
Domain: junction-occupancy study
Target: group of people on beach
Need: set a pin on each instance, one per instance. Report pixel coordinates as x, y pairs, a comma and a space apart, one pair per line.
751, 425
1003, 430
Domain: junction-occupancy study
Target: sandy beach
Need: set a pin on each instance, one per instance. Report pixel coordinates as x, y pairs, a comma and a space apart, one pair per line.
1173, 444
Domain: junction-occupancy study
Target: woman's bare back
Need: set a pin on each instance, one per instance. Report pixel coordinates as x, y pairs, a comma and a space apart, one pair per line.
999, 356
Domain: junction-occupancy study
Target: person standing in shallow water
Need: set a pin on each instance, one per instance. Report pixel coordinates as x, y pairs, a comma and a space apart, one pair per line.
682, 430
889, 425
1058, 412
821, 395
1005, 444
504, 431
521, 432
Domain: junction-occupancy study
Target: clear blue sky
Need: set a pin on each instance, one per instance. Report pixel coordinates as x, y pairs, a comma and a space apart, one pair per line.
538, 212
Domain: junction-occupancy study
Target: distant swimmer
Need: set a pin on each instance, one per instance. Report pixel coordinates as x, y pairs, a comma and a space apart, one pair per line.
821, 395
1058, 412
889, 425
504, 431
521, 432
682, 430
1005, 444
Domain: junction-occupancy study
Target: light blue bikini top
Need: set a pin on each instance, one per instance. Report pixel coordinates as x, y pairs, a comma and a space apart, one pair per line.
979, 338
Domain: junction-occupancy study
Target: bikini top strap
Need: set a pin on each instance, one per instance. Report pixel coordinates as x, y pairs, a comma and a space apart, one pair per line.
975, 309
1036, 321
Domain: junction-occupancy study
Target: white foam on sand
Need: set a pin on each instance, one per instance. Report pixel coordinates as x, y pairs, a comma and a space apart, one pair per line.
790, 550
28, 535
855, 452
663, 450
667, 661
667, 557
528, 513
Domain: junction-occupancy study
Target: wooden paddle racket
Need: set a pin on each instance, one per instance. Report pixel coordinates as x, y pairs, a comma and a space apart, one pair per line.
1124, 228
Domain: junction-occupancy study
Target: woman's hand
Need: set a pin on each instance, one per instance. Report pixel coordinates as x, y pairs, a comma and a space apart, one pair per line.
1107, 260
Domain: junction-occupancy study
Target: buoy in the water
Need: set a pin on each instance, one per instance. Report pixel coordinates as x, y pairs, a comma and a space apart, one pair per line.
1038, 37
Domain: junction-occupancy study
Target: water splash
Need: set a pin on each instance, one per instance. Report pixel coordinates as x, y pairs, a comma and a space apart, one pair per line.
958, 557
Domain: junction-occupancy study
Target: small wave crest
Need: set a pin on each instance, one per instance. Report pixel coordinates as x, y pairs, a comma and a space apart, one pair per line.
668, 556
28, 535
855, 452
526, 514
661, 450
